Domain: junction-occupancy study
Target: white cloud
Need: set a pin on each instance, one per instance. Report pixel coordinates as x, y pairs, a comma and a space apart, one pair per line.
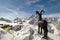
30, 2
40, 6
13, 14
54, 4
52, 0
52, 15
24, 14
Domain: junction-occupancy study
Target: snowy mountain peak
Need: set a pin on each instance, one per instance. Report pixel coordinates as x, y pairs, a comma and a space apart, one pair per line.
6, 20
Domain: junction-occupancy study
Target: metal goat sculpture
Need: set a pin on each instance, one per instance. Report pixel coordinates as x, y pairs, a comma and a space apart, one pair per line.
42, 24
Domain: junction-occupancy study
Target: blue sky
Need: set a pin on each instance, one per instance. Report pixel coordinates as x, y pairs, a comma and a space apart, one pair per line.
11, 9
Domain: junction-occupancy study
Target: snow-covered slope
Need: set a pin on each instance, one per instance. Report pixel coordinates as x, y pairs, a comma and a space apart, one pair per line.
30, 31
5, 35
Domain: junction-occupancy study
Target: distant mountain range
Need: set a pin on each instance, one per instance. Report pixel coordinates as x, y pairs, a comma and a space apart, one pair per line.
33, 19
6, 20
16, 20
